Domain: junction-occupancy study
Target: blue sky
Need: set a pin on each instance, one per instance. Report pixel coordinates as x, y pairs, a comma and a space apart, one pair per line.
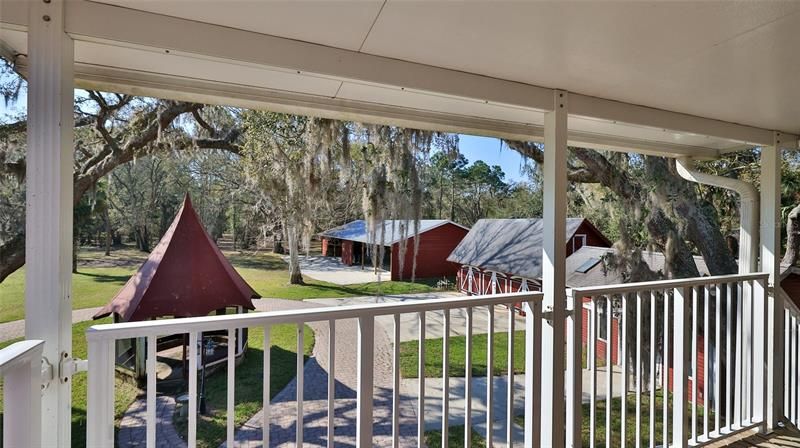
490, 151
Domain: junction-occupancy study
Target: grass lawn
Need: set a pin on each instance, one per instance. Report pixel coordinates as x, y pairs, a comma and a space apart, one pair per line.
95, 285
125, 391
455, 438
90, 287
456, 433
211, 429
630, 417
268, 274
409, 359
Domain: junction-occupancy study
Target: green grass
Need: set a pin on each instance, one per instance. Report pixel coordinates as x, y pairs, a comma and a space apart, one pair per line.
90, 287
266, 272
211, 429
630, 420
409, 359
125, 392
455, 438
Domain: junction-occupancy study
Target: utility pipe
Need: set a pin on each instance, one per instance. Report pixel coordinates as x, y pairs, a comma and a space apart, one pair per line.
748, 210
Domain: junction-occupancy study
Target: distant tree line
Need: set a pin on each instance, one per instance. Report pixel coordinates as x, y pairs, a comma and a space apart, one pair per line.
275, 180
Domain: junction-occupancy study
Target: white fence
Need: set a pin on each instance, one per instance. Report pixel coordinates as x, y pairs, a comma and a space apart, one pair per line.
101, 338
791, 362
703, 339
21, 371
688, 356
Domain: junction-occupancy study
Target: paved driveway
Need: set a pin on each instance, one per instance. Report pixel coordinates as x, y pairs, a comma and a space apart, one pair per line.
332, 270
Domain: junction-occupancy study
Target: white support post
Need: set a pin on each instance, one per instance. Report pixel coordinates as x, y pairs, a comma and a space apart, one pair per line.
48, 222
680, 367
366, 361
770, 262
553, 276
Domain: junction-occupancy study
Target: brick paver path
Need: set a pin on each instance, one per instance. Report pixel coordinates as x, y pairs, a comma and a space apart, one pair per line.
283, 424
133, 429
283, 406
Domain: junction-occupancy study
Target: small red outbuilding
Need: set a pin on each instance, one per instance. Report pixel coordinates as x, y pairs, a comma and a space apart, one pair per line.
186, 275
354, 243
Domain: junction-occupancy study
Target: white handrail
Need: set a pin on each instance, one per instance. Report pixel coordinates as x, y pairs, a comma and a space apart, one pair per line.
100, 426
665, 284
21, 370
226, 322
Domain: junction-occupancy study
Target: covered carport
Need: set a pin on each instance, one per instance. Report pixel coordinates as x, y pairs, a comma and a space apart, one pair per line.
678, 79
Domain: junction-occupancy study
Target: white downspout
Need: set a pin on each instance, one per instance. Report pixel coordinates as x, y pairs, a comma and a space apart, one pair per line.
748, 210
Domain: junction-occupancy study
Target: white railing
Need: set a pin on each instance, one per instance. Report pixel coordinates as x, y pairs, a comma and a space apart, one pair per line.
101, 338
791, 362
475, 281
702, 339
21, 371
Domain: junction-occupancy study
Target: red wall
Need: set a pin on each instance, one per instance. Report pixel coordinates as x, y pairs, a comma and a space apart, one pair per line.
324, 247
593, 237
614, 341
601, 346
435, 246
701, 361
347, 252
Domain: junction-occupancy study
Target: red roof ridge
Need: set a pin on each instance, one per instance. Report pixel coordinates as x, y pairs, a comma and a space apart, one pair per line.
185, 275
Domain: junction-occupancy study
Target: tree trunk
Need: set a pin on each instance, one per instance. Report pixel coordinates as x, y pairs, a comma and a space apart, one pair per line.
107, 222
792, 237
453, 200
12, 255
295, 277
699, 217
75, 247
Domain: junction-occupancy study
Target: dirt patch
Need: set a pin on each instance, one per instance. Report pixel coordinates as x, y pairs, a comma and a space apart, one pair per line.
125, 256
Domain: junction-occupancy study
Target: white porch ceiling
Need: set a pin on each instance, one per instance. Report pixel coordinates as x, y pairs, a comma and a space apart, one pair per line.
734, 61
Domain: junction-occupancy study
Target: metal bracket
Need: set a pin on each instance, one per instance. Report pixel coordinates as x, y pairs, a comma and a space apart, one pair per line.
46, 373
69, 366
547, 314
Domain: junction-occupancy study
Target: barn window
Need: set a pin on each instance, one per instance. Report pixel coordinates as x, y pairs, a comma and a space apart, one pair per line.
578, 241
602, 324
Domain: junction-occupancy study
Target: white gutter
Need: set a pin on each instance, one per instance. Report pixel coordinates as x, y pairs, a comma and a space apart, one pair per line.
748, 210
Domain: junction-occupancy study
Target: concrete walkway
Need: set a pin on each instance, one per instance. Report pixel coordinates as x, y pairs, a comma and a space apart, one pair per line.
283, 407
332, 270
16, 329
434, 320
433, 404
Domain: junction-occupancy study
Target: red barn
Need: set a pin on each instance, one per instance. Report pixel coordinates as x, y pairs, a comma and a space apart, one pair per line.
505, 255
586, 268
355, 243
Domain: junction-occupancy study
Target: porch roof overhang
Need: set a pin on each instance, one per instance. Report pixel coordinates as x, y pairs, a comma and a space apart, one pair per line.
676, 79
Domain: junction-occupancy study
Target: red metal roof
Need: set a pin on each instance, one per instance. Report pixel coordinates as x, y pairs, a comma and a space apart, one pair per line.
186, 275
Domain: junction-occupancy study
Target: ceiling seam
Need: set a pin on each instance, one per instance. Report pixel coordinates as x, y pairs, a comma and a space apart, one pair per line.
374, 21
